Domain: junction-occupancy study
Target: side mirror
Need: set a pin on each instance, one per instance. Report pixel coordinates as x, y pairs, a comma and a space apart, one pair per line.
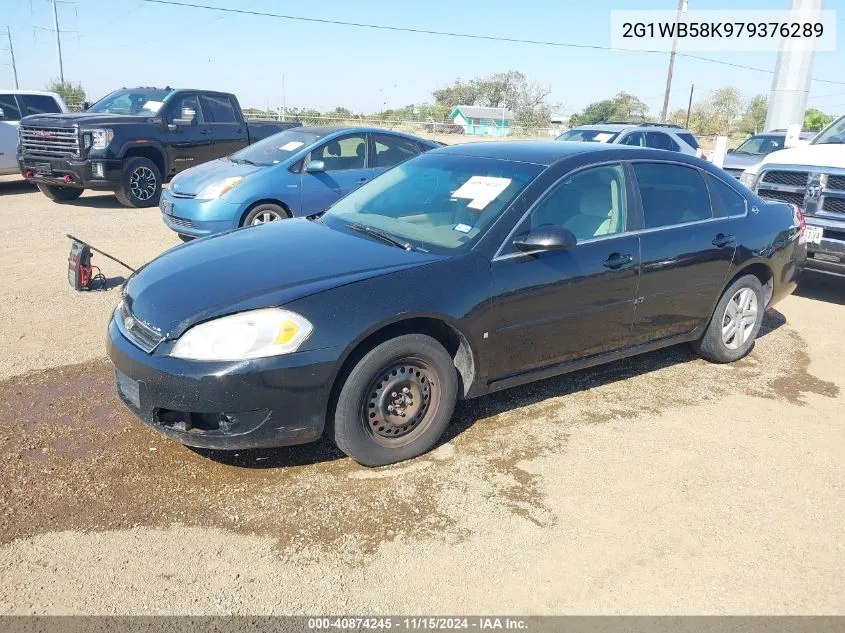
546, 238
85, 106
187, 117
731, 150
2, 114
316, 167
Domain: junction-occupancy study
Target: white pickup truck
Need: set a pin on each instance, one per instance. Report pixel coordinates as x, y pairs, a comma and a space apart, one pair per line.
813, 178
15, 104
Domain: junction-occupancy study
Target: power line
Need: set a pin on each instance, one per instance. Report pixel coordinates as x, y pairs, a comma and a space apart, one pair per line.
491, 38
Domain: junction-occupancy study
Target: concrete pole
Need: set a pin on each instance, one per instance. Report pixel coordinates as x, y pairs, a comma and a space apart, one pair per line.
12, 53
791, 83
682, 5
58, 42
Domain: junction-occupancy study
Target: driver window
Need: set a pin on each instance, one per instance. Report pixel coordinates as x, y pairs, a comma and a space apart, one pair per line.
589, 203
349, 152
183, 107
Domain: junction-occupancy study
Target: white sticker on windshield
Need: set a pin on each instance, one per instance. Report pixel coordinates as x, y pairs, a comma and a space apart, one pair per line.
291, 145
481, 190
602, 137
153, 106
462, 228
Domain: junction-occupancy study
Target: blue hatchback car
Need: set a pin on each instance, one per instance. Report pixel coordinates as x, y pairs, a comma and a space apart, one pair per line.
297, 172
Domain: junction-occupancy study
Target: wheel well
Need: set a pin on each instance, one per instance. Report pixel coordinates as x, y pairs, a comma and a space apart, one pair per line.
266, 201
149, 152
763, 273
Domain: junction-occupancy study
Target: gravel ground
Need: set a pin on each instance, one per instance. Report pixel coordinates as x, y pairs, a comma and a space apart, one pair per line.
660, 484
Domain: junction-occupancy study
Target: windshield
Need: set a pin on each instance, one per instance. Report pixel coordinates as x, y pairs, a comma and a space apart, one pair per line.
140, 102
435, 202
835, 133
274, 149
590, 136
761, 144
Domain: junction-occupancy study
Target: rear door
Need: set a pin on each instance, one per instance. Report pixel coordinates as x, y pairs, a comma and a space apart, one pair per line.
227, 128
686, 249
347, 169
659, 140
191, 144
387, 150
9, 133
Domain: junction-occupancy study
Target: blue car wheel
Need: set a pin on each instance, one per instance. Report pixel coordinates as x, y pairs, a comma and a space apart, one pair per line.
264, 213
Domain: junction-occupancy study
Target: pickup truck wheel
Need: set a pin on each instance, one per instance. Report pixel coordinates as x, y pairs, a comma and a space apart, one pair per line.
396, 401
60, 194
140, 184
735, 322
264, 213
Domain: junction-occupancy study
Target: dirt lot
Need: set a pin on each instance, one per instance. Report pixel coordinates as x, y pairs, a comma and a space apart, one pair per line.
661, 484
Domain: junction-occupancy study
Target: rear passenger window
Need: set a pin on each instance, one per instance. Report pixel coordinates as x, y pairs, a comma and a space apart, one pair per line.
671, 194
658, 140
38, 104
392, 150
637, 139
10, 108
218, 109
689, 139
726, 201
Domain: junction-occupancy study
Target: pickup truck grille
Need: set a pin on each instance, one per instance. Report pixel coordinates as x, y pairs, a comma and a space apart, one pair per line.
834, 205
784, 196
836, 182
792, 178
49, 142
817, 191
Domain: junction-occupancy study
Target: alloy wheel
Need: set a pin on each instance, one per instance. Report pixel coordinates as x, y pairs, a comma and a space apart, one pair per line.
739, 319
143, 183
264, 217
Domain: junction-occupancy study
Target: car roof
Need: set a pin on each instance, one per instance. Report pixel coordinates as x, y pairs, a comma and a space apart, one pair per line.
29, 92
619, 127
326, 130
537, 152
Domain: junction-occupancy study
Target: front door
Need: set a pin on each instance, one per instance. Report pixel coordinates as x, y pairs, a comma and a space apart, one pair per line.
8, 133
686, 247
190, 143
555, 306
346, 169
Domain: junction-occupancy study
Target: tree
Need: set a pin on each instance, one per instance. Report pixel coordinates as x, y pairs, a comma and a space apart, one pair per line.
815, 120
755, 115
73, 94
623, 107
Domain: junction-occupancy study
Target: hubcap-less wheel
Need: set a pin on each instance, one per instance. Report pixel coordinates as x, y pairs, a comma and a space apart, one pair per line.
739, 319
265, 216
142, 183
398, 405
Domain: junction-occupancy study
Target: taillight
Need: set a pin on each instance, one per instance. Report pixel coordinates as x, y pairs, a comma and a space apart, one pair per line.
799, 221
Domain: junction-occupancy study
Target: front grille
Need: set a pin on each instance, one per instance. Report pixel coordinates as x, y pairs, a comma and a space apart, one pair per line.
181, 221
783, 196
49, 142
793, 178
834, 205
136, 330
836, 182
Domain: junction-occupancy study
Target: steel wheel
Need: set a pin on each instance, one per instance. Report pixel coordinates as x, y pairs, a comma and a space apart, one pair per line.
265, 216
740, 318
398, 406
143, 183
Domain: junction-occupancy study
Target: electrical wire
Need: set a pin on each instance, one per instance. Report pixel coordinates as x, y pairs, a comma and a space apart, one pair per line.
492, 38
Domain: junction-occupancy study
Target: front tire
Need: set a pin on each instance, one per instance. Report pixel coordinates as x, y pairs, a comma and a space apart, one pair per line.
396, 402
264, 213
140, 183
735, 323
57, 193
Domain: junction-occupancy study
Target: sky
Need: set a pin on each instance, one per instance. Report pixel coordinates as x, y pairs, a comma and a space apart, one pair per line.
120, 43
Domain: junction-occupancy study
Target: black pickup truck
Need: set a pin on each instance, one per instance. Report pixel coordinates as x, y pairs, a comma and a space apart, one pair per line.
132, 141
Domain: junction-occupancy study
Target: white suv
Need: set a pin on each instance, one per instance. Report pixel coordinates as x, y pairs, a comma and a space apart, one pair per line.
657, 135
14, 105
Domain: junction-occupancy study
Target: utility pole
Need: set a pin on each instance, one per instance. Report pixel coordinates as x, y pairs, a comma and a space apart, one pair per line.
12, 53
682, 8
284, 108
59, 42
689, 106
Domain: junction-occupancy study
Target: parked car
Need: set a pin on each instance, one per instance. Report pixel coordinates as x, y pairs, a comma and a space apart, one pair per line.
656, 135
294, 173
754, 148
465, 270
132, 140
15, 104
811, 177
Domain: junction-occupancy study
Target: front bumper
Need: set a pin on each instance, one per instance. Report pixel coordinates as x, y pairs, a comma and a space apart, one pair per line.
828, 256
261, 403
199, 218
80, 170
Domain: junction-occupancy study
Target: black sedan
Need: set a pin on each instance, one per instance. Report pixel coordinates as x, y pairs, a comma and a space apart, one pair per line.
463, 271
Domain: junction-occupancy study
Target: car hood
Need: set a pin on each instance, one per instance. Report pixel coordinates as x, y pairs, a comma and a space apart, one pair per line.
256, 267
82, 119
191, 181
822, 155
741, 161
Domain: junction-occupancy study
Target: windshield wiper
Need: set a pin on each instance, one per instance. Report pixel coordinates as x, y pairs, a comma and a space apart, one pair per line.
384, 237
242, 161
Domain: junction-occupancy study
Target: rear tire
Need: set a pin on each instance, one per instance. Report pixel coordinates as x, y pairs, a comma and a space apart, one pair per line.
140, 183
396, 402
735, 323
57, 193
264, 213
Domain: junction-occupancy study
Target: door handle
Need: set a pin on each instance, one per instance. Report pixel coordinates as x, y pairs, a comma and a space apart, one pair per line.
364, 179
722, 240
616, 260
206, 131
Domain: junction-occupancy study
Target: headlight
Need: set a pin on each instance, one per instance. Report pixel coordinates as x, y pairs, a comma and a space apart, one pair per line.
217, 189
749, 177
253, 334
97, 139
